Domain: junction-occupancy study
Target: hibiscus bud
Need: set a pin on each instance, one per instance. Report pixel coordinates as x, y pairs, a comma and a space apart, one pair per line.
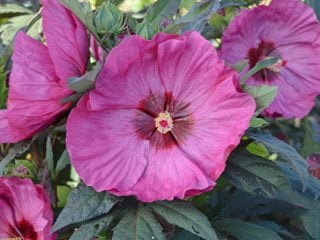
108, 18
20, 171
146, 29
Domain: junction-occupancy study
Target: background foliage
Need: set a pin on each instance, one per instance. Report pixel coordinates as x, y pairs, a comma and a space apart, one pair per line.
265, 193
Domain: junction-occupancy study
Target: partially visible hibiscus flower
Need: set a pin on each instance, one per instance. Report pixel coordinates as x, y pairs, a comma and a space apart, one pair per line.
162, 120
38, 81
314, 164
288, 29
25, 211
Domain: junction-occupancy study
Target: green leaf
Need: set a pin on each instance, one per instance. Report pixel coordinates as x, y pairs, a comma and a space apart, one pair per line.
256, 175
185, 235
196, 17
13, 9
146, 29
92, 228
230, 3
86, 82
315, 4
258, 149
72, 98
258, 67
33, 28
263, 95
311, 138
5, 54
265, 178
9, 30
186, 216
187, 3
132, 22
138, 224
3, 88
16, 151
285, 153
245, 230
49, 157
84, 12
239, 66
258, 123
63, 161
161, 10
311, 222
62, 194
83, 204
274, 227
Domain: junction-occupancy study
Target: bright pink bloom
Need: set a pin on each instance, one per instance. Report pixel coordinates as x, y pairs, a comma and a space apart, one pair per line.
25, 210
39, 74
288, 29
162, 120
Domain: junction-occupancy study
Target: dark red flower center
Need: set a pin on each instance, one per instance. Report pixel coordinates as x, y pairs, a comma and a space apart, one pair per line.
264, 50
163, 120
24, 230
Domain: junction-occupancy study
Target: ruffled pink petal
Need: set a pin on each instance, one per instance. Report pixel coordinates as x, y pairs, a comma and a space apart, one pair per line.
6, 211
6, 217
7, 134
189, 65
219, 124
32, 70
66, 38
104, 148
34, 91
301, 67
46, 213
169, 174
298, 82
290, 21
240, 36
129, 75
289, 101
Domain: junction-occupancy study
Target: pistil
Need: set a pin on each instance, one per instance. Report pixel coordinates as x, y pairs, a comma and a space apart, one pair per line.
164, 122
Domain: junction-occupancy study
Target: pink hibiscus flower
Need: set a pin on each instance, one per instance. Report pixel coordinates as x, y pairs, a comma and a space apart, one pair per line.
162, 120
38, 81
287, 29
25, 210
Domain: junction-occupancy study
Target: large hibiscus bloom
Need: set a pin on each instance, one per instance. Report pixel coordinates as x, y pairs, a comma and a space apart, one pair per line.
38, 81
25, 211
162, 120
287, 29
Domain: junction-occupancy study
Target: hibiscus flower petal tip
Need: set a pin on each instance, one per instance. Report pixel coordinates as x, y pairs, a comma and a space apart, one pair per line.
67, 40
